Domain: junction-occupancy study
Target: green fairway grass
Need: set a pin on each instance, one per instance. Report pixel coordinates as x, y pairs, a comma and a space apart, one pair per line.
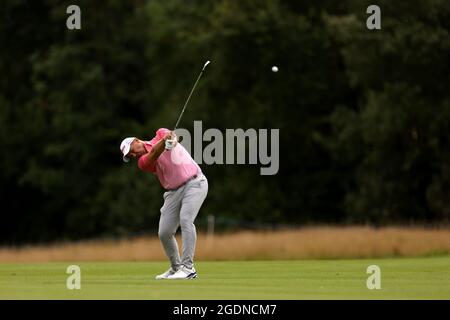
402, 278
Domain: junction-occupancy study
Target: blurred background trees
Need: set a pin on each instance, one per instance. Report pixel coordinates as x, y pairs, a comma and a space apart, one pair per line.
363, 115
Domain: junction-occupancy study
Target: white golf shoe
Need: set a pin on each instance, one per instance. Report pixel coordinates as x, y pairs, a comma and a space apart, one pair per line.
183, 273
166, 274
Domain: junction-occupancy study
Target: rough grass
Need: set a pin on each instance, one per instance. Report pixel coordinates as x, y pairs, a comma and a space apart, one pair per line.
305, 243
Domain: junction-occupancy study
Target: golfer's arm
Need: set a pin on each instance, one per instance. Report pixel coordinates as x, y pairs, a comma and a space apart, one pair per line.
156, 152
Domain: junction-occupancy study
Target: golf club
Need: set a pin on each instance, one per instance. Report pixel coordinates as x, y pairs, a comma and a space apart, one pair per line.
190, 94
169, 143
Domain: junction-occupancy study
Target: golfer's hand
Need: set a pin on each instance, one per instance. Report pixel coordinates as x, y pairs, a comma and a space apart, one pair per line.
170, 140
170, 135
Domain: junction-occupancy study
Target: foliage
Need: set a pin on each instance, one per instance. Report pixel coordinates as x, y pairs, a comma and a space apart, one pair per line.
363, 115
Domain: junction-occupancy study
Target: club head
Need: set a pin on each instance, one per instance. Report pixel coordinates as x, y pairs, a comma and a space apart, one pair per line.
207, 62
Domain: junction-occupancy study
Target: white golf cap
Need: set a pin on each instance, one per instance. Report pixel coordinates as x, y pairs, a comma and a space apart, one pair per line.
125, 147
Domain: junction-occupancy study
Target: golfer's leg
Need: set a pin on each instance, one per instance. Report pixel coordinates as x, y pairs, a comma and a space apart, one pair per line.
194, 194
168, 225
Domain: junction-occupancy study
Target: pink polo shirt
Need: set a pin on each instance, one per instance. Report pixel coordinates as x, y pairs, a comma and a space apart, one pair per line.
173, 167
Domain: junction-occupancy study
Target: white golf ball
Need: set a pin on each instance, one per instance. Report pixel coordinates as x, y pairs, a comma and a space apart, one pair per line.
275, 69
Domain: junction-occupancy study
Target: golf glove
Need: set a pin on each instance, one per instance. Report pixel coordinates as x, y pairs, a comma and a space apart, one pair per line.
170, 143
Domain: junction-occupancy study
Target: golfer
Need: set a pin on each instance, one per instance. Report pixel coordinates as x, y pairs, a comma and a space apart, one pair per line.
186, 189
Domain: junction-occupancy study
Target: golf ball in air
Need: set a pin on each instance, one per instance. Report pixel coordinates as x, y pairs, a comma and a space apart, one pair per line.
275, 69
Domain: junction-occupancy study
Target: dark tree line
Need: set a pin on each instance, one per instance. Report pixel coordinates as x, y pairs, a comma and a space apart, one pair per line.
363, 115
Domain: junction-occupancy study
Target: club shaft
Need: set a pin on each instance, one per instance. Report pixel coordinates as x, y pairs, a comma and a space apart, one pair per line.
187, 100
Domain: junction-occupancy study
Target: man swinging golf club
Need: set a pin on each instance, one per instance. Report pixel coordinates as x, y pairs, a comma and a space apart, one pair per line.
186, 189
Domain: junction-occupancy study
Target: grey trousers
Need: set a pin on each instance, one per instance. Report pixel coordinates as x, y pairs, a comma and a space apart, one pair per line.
180, 209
